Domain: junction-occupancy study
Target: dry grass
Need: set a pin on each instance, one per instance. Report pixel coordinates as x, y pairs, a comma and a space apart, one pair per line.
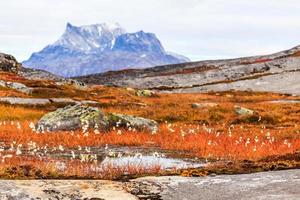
13, 113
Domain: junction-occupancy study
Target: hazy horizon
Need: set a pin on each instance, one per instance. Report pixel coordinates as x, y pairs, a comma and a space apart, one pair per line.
198, 29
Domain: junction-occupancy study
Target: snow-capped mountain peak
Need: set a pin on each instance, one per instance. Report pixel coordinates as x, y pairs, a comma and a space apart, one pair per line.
96, 48
90, 37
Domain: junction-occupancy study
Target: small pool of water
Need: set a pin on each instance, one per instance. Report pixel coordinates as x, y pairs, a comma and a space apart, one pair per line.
120, 157
149, 161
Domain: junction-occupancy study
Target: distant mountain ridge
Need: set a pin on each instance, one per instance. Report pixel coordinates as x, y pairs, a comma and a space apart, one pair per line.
99, 48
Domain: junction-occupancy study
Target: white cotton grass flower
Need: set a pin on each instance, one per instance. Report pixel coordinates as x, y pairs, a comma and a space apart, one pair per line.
119, 132
254, 149
247, 142
19, 126
256, 139
156, 154
18, 152
85, 126
86, 134
88, 149
32, 126
73, 155
61, 148
96, 129
286, 142
11, 147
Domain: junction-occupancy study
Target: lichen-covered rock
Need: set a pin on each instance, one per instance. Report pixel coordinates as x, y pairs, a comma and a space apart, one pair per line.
133, 122
72, 118
145, 93
243, 111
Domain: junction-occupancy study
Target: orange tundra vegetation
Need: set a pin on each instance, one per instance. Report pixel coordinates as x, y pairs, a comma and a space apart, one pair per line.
212, 133
234, 143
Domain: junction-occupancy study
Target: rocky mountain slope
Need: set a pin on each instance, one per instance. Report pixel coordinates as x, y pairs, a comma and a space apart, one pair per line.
8, 63
99, 48
277, 72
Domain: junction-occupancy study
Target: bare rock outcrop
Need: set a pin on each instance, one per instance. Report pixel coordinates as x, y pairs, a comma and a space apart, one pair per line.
8, 63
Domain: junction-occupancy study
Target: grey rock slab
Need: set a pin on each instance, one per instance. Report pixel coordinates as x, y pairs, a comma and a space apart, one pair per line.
16, 86
24, 101
285, 83
275, 185
88, 102
62, 100
204, 105
43, 101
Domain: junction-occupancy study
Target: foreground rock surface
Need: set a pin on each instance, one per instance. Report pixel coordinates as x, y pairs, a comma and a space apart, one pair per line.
72, 118
277, 185
62, 189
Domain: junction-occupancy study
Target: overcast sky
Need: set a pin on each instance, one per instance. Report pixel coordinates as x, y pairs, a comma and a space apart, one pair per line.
198, 29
